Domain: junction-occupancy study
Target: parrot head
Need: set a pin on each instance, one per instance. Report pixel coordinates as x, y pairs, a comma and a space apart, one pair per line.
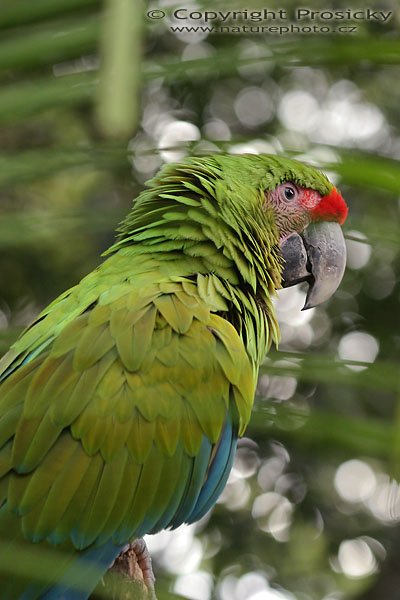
310, 237
261, 211
306, 211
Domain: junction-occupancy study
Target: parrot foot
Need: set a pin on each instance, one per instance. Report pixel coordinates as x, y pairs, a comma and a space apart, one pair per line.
144, 561
134, 563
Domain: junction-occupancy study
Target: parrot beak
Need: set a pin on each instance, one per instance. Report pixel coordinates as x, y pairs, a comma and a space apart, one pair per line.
318, 256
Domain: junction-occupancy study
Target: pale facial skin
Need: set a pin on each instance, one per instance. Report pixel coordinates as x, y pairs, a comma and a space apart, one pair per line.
292, 206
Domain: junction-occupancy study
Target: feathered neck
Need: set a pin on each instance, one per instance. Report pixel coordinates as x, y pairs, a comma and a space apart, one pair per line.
190, 208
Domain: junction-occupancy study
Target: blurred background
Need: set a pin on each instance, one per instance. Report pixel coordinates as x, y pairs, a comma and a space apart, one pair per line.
94, 98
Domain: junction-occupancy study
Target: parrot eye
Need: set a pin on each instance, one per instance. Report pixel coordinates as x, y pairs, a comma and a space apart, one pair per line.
289, 192
284, 194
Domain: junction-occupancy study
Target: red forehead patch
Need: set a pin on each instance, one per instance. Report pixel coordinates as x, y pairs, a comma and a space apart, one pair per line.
331, 208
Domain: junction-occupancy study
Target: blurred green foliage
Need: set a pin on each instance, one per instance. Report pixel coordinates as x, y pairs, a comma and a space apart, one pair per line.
93, 98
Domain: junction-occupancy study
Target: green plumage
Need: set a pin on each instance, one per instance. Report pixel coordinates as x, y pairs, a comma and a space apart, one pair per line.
107, 398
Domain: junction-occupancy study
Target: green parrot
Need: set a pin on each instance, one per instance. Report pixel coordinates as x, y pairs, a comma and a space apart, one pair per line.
122, 404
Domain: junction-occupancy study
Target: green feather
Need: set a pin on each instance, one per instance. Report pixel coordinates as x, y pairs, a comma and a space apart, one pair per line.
8, 422
168, 435
115, 439
141, 437
133, 343
70, 336
191, 431
94, 343
168, 485
83, 386
145, 490
174, 312
120, 511
63, 489
26, 491
5, 461
97, 513
79, 499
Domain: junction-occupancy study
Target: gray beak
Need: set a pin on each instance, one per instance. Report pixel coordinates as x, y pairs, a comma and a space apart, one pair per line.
318, 256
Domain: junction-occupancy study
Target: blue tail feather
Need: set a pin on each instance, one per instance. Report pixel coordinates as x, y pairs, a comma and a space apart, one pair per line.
72, 588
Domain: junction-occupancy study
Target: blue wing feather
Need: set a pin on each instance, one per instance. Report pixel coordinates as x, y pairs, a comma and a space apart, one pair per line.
218, 472
195, 484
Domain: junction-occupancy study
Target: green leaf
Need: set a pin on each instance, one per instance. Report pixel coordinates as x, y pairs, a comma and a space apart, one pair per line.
120, 51
13, 13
